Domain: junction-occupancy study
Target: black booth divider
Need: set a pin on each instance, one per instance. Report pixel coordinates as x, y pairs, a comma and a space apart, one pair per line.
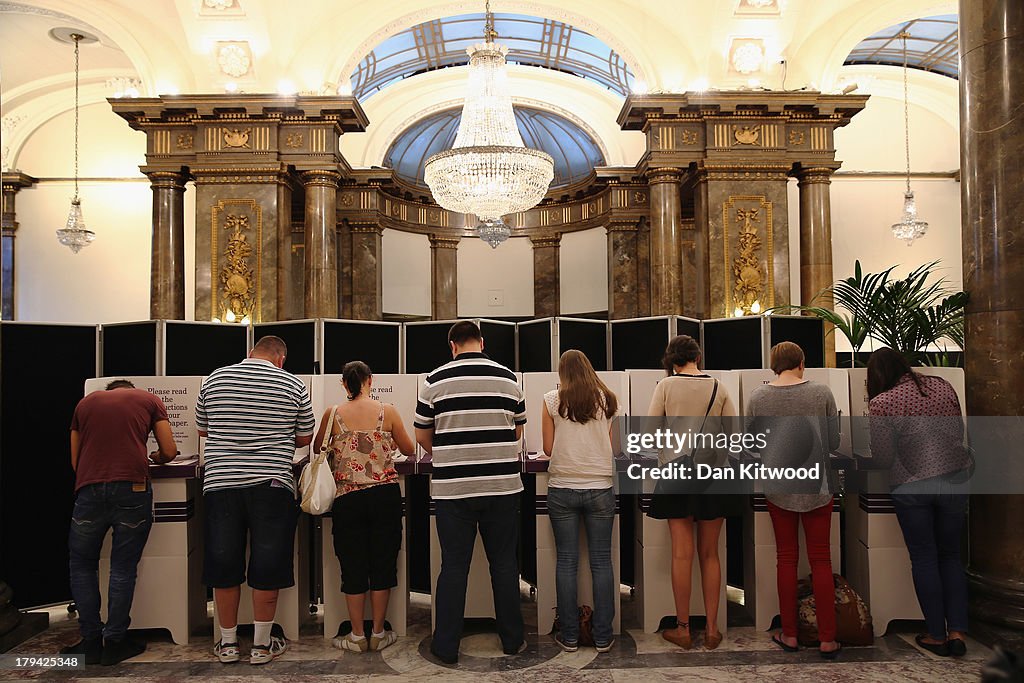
499, 341
426, 345
378, 344
639, 343
303, 340
132, 349
734, 343
542, 341
43, 368
199, 348
805, 330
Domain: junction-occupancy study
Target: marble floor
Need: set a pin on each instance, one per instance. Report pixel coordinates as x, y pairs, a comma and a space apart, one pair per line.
745, 655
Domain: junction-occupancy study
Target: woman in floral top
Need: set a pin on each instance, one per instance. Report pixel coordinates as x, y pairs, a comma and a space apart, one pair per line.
367, 512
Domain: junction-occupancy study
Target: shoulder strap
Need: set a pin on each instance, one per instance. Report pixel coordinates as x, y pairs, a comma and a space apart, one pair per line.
380, 419
711, 403
329, 428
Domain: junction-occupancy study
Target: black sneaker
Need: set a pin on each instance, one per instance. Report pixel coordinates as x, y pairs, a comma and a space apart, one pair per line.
957, 647
116, 651
92, 649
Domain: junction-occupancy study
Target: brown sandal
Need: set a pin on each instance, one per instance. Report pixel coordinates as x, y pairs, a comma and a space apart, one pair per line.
679, 636
712, 642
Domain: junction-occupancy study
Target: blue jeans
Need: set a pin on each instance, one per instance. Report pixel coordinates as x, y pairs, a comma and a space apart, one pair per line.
457, 521
931, 514
98, 508
596, 508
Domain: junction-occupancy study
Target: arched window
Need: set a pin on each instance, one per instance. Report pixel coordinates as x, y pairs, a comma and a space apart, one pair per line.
932, 46
530, 40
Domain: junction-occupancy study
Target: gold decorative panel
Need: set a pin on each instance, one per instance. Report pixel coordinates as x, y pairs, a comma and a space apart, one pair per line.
749, 276
236, 259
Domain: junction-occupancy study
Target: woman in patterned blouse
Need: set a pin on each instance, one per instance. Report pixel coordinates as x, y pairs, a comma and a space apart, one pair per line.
917, 429
367, 511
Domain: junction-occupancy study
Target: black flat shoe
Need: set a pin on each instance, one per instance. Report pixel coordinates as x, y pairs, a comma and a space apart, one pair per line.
942, 650
788, 648
832, 654
957, 647
92, 649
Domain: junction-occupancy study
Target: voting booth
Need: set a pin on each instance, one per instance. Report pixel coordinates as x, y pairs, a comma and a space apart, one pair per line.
304, 341
542, 555
400, 391
806, 331
169, 592
542, 342
877, 561
743, 343
499, 341
42, 370
639, 343
378, 344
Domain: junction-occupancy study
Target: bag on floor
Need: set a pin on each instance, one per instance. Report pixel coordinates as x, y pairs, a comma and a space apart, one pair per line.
853, 620
586, 638
316, 483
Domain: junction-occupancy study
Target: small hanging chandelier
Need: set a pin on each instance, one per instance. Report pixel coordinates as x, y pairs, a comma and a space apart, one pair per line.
75, 235
488, 171
910, 227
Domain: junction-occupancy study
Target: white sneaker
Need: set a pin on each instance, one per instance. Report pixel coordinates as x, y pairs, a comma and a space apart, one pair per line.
378, 643
347, 642
227, 653
265, 654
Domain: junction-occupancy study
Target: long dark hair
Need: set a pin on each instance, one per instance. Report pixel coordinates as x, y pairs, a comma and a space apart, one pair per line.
581, 393
353, 375
680, 351
885, 369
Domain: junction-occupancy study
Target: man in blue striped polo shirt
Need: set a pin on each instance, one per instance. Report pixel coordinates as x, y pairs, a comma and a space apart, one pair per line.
254, 415
470, 417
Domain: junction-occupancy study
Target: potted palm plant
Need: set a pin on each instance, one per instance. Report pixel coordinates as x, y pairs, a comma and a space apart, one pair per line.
908, 314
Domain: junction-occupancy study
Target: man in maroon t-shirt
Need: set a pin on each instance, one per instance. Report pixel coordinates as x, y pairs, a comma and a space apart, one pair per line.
109, 432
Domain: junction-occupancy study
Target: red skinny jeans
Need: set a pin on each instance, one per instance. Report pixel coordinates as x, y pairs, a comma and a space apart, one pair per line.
817, 525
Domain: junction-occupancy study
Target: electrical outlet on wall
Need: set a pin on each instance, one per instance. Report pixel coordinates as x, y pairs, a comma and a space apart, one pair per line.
495, 297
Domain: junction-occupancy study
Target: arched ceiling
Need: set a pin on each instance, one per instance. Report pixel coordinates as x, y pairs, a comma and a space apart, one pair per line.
574, 152
195, 46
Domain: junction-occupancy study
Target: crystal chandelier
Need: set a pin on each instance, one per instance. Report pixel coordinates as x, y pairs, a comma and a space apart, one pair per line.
910, 227
488, 171
75, 235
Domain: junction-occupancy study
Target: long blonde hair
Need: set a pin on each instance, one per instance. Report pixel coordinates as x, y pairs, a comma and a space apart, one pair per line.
581, 393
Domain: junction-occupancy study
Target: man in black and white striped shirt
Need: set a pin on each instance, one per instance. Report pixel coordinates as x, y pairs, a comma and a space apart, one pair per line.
470, 417
254, 415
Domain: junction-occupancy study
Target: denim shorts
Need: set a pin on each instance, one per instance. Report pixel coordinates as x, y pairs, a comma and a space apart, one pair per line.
264, 516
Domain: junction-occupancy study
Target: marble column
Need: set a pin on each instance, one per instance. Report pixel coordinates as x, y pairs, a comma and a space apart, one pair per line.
444, 280
547, 292
623, 270
344, 269
367, 281
666, 242
698, 305
167, 268
13, 181
992, 221
816, 246
643, 268
321, 257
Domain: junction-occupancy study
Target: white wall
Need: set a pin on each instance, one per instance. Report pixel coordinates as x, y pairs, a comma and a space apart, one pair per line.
507, 269
583, 266
406, 273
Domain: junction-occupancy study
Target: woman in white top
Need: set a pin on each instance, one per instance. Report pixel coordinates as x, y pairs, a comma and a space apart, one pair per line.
576, 423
